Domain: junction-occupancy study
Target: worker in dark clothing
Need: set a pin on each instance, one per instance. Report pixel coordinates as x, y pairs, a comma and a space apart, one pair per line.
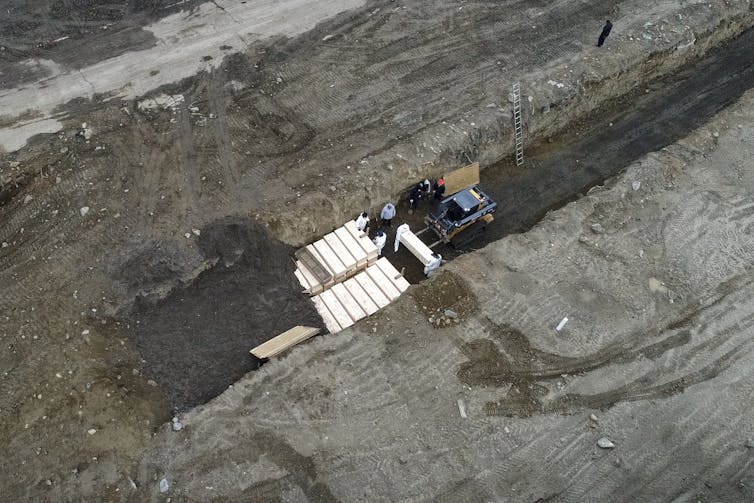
605, 32
415, 196
439, 189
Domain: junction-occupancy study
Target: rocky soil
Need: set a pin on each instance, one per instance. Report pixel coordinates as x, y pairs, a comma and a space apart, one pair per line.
170, 192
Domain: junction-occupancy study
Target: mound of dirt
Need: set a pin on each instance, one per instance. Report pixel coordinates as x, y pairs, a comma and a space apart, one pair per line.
196, 341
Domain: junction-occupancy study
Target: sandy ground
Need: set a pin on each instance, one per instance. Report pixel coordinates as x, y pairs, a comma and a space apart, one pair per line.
127, 219
657, 347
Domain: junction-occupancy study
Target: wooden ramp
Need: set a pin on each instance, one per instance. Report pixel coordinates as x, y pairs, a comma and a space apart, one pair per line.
368, 291
334, 258
280, 343
461, 178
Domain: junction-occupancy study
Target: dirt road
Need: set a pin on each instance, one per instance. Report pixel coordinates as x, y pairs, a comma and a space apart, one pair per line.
137, 210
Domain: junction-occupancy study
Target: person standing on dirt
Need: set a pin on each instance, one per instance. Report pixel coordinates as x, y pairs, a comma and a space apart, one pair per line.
605, 32
415, 196
426, 187
439, 189
400, 230
433, 264
388, 214
379, 241
362, 221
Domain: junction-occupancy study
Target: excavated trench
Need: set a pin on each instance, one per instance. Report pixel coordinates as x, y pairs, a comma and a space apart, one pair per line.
195, 342
601, 145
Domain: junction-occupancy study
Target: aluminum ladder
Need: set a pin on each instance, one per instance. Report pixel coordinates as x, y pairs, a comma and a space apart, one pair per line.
517, 125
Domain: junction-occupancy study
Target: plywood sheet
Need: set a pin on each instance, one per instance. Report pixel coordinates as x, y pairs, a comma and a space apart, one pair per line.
360, 296
461, 178
287, 339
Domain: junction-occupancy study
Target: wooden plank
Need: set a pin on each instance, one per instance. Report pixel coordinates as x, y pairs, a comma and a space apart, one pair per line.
336, 308
353, 246
366, 244
310, 258
341, 251
314, 284
281, 342
302, 280
351, 227
416, 246
392, 273
383, 282
358, 293
330, 258
372, 290
346, 300
461, 178
332, 325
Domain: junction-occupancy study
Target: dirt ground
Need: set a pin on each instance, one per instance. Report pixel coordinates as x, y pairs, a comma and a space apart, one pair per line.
160, 160
493, 403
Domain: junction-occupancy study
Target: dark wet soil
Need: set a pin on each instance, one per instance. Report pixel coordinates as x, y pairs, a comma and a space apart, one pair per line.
604, 144
196, 341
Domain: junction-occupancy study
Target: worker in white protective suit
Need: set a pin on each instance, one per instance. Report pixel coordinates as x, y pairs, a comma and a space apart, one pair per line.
400, 230
362, 221
433, 264
379, 242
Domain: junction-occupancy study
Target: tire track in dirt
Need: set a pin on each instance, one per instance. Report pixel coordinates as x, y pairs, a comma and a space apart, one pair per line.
526, 371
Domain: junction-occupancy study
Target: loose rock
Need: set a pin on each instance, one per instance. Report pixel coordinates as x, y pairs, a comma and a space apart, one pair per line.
84, 210
598, 229
605, 443
449, 313
177, 425
636, 185
164, 486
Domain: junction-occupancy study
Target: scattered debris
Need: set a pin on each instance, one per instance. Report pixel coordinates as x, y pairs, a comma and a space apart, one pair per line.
561, 324
177, 425
163, 101
196, 232
605, 443
462, 408
593, 418
164, 486
598, 229
84, 210
636, 185
28, 198
449, 313
91, 431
